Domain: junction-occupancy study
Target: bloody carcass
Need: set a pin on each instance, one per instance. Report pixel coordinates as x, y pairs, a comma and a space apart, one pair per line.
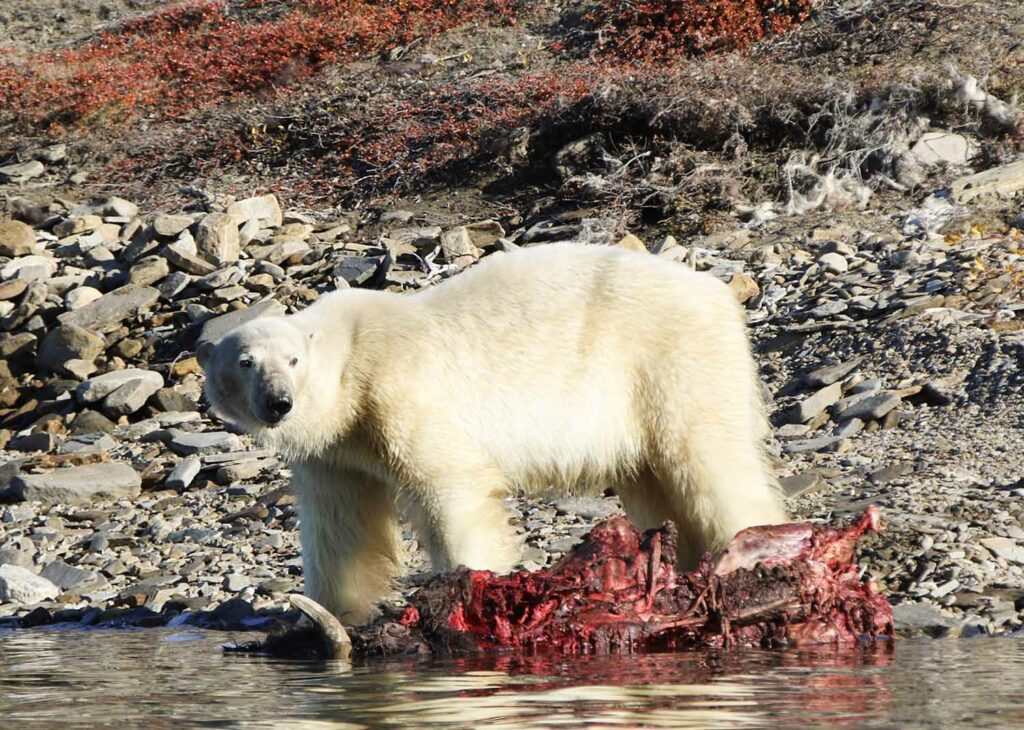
619, 591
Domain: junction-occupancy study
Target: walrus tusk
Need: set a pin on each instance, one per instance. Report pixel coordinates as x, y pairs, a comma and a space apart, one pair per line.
335, 636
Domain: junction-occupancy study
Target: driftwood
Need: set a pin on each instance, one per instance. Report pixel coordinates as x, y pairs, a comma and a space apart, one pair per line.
618, 591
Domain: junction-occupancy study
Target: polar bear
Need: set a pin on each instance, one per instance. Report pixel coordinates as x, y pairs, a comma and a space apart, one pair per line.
565, 368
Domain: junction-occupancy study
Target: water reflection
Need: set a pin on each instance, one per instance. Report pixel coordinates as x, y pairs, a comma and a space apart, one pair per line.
81, 679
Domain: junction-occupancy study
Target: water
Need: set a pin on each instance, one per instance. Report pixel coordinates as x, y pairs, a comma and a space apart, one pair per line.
75, 678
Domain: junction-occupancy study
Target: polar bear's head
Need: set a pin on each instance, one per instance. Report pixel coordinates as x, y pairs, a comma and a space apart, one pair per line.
256, 375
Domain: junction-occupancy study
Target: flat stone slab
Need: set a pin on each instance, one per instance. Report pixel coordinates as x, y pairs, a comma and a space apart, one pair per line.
805, 483
109, 311
935, 148
589, 508
204, 443
264, 209
832, 373
183, 473
21, 585
871, 407
821, 443
1002, 180
229, 457
21, 171
14, 266
926, 618
216, 328
814, 404
1004, 547
131, 396
66, 576
94, 481
98, 388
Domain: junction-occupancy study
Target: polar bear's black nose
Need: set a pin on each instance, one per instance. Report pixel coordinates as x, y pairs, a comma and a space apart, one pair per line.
279, 405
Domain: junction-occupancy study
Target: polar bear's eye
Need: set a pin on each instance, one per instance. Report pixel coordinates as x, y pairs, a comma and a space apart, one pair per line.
293, 362
245, 362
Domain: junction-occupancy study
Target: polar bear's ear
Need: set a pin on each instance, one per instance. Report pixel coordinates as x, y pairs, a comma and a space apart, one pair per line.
203, 353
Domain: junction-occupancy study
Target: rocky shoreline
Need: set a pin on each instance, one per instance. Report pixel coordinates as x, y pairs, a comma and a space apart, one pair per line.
891, 346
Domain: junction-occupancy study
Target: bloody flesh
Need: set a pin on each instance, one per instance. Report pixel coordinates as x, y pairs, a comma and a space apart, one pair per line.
619, 591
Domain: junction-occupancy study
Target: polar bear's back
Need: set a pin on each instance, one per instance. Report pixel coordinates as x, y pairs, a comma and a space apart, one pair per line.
559, 354
590, 297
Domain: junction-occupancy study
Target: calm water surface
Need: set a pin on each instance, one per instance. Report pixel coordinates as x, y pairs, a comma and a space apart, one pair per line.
74, 678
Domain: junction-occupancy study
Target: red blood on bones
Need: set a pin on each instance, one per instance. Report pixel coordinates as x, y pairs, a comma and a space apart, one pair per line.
619, 591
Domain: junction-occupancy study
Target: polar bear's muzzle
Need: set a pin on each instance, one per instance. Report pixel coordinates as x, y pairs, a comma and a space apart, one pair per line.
274, 404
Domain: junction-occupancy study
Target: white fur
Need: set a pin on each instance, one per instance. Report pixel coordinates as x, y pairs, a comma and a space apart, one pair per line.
564, 367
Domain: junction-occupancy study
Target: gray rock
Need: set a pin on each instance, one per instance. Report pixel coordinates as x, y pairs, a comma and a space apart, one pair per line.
22, 171
95, 441
181, 256
183, 473
38, 441
360, 270
589, 508
1004, 180
828, 309
68, 342
109, 311
80, 296
806, 483
174, 284
169, 226
419, 237
113, 480
457, 242
52, 153
811, 406
148, 271
822, 443
217, 238
264, 210
926, 618
217, 327
486, 233
15, 267
16, 239
66, 576
869, 408
170, 400
205, 443
117, 207
848, 427
1004, 547
219, 278
834, 262
934, 148
13, 556
234, 583
91, 422
20, 585
131, 396
98, 388
402, 217
893, 471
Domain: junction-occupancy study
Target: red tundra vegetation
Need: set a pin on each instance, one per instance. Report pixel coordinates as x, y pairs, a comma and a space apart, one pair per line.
196, 63
203, 53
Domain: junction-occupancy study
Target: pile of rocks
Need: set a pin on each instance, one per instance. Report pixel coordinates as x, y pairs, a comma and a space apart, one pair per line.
884, 344
132, 496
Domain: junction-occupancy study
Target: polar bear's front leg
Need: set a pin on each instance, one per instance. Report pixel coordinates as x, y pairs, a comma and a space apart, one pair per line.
463, 522
351, 547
